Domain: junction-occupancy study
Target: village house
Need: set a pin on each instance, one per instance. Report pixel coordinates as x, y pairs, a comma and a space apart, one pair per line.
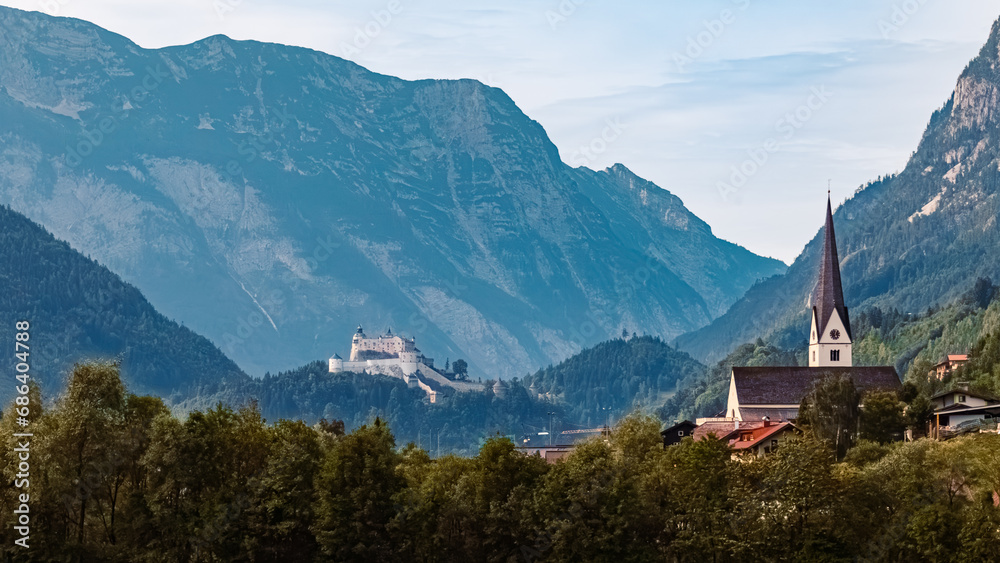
950, 363
760, 441
747, 438
673, 435
960, 410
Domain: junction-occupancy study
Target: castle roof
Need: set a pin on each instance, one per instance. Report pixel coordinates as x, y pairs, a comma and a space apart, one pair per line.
337, 357
788, 385
829, 295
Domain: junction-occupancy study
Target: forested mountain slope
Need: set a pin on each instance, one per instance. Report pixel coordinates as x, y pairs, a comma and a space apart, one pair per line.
77, 310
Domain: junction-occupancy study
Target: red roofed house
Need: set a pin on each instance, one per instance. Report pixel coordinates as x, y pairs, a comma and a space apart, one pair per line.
776, 392
950, 363
762, 440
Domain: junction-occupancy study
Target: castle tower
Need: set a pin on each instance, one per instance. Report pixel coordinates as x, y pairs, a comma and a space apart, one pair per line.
830, 334
356, 343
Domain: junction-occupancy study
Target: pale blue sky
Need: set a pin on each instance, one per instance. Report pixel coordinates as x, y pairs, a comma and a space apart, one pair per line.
871, 70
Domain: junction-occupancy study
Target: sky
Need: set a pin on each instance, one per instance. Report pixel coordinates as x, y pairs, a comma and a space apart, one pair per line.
747, 110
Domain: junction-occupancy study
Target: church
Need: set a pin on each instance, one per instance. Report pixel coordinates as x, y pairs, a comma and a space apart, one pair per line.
774, 393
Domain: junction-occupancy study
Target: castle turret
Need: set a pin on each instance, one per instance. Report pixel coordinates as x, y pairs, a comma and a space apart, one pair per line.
408, 362
830, 339
500, 389
336, 364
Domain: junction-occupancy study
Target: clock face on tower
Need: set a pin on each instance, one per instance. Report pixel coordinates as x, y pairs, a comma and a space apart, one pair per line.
835, 334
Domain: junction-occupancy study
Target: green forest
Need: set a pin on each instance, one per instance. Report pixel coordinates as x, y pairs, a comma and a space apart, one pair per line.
620, 375
116, 477
457, 424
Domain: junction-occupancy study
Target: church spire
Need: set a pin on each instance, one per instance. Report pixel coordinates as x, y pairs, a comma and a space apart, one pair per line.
830, 339
829, 295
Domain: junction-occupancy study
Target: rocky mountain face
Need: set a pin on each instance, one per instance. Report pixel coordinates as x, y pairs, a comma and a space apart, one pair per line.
909, 241
273, 198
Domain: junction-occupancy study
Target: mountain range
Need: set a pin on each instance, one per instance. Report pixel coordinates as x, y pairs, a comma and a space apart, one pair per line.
909, 241
273, 198
78, 311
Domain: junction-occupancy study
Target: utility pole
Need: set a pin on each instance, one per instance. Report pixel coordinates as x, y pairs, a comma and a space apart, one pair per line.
550, 427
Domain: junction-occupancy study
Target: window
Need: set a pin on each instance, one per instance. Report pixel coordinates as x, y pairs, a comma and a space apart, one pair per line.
680, 432
961, 398
834, 355
814, 355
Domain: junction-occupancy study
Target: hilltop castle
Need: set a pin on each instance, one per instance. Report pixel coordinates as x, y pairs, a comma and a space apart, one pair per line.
399, 357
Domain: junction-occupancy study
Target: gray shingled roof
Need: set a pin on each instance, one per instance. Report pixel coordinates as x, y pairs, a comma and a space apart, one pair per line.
788, 385
829, 295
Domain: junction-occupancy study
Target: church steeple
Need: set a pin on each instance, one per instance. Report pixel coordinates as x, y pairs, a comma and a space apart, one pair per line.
830, 334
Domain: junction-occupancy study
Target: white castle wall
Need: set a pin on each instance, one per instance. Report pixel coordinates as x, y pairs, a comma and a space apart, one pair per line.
461, 386
406, 366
